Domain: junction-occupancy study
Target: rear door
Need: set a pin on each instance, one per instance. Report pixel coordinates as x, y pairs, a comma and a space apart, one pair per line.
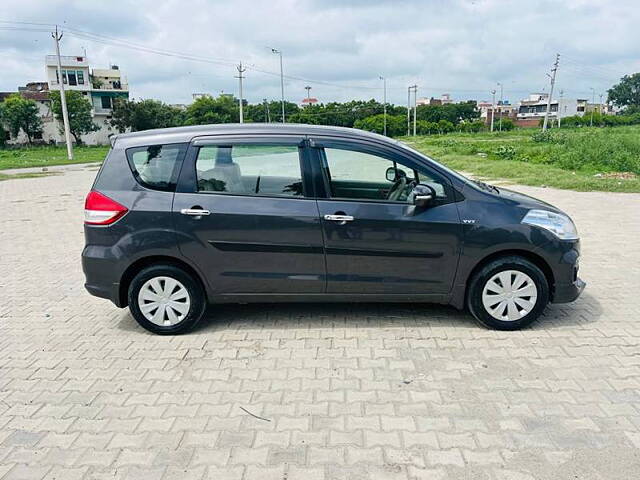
376, 241
245, 215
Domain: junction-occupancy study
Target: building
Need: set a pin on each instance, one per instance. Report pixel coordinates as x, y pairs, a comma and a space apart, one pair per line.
308, 101
39, 93
100, 86
444, 99
534, 107
503, 109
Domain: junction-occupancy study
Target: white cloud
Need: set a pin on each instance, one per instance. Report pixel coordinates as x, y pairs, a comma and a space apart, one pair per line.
462, 47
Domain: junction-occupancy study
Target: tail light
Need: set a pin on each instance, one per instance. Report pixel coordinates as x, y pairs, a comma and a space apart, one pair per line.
101, 210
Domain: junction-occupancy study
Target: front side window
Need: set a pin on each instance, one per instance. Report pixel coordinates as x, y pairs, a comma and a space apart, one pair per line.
156, 166
358, 175
80, 77
250, 170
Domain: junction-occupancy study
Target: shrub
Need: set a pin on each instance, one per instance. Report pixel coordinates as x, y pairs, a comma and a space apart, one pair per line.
505, 152
507, 124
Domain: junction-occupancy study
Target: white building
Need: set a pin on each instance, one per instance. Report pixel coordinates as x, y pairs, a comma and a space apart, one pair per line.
100, 86
535, 107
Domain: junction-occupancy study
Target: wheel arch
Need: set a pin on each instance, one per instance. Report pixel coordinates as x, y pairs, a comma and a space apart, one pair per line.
537, 260
133, 269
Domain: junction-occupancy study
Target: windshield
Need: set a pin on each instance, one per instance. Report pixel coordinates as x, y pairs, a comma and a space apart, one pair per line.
475, 183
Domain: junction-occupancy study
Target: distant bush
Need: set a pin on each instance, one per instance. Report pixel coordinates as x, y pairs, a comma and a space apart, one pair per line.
600, 120
473, 127
507, 124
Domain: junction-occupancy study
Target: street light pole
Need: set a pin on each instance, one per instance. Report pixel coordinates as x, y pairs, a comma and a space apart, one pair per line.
415, 108
267, 115
560, 107
63, 98
384, 86
493, 107
274, 50
408, 111
501, 105
308, 89
593, 104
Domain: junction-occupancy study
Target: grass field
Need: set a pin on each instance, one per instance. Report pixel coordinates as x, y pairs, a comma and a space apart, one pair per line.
48, 156
605, 159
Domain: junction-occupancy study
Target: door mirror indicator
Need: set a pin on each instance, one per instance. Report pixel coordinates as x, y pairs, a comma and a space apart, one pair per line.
423, 195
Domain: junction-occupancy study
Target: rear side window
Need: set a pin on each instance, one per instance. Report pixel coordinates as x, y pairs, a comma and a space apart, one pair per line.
250, 170
157, 166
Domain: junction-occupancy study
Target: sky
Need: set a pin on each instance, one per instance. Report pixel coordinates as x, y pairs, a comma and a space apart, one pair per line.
340, 48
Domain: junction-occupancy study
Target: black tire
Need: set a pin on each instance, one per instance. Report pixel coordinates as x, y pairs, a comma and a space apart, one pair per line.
479, 280
192, 285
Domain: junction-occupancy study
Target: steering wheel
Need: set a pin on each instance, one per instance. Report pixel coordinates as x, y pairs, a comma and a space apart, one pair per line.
397, 188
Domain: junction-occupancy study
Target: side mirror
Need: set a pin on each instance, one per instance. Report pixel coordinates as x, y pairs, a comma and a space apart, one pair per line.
423, 195
390, 174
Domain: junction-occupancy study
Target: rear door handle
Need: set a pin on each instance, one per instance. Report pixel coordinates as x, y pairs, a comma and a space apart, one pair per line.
194, 212
339, 218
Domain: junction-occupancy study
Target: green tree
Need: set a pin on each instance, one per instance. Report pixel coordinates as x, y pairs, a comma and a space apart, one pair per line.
18, 113
205, 110
79, 110
627, 92
396, 124
144, 115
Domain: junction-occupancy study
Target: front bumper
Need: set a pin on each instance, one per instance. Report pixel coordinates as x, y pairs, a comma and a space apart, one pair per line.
568, 292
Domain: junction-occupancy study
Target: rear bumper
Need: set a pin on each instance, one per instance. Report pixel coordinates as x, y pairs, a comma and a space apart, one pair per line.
568, 292
110, 292
98, 271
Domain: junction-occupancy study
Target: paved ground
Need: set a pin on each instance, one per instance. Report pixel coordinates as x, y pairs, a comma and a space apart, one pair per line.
347, 391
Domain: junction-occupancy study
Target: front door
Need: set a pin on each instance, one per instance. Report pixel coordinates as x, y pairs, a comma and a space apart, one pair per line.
376, 241
243, 216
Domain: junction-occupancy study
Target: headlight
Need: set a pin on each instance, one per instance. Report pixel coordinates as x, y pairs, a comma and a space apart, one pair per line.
558, 224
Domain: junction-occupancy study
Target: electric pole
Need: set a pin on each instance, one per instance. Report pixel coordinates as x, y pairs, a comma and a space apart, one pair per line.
274, 50
240, 77
493, 107
593, 104
384, 86
500, 107
308, 89
553, 82
63, 99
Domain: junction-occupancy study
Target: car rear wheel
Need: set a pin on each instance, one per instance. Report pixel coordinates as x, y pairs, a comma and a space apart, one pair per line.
508, 293
165, 299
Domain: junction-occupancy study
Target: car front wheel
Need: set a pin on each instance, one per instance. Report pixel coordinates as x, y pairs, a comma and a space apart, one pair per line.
508, 293
166, 300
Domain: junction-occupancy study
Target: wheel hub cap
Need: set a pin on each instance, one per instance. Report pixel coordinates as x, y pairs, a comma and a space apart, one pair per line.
164, 301
509, 296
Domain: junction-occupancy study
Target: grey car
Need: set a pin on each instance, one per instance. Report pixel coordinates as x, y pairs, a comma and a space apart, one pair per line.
182, 218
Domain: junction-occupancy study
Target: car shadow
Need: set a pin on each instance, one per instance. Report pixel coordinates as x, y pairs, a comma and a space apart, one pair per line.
218, 317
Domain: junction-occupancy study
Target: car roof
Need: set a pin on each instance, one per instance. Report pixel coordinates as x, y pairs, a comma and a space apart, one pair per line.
187, 134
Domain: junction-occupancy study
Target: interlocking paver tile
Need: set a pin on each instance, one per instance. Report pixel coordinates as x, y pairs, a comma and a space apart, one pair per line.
348, 391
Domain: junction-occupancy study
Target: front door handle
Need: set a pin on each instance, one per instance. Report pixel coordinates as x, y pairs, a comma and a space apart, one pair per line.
194, 212
341, 219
